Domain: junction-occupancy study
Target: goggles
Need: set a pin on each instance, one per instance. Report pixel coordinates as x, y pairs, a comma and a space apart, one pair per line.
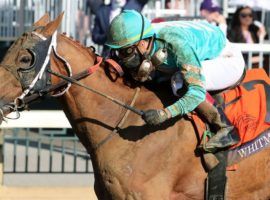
245, 15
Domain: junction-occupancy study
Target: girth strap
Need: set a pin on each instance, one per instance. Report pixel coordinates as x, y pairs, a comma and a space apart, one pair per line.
216, 179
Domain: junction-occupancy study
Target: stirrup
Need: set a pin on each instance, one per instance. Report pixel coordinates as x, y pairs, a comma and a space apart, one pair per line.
202, 147
222, 139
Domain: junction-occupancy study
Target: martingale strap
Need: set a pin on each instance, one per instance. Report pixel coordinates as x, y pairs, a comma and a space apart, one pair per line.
90, 71
120, 123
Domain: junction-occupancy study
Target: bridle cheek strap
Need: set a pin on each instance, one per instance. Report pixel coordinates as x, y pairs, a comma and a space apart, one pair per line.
112, 63
95, 67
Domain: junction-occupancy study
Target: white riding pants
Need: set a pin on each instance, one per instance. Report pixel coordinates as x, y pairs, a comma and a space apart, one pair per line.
221, 72
224, 70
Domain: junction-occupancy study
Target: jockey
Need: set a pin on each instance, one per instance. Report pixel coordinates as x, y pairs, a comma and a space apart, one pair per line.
194, 55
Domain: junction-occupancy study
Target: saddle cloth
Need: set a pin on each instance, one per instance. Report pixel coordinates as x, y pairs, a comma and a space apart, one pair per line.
247, 107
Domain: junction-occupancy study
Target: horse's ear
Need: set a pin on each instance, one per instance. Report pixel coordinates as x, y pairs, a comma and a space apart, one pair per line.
51, 27
43, 21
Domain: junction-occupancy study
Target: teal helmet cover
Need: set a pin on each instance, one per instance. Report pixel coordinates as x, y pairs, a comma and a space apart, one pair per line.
128, 28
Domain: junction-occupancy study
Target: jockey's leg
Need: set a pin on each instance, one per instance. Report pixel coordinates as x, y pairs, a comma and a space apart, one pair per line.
214, 117
224, 135
225, 70
220, 73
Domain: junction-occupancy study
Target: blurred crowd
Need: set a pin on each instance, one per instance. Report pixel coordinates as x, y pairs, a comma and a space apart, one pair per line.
105, 14
242, 26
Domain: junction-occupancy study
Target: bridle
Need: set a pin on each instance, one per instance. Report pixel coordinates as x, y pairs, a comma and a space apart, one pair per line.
41, 83
28, 95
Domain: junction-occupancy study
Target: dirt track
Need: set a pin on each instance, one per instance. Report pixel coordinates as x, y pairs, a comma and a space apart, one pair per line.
49, 193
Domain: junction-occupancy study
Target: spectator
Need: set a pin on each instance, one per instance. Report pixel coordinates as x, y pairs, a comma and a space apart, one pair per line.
93, 5
244, 29
104, 16
135, 5
181, 5
172, 5
169, 4
211, 11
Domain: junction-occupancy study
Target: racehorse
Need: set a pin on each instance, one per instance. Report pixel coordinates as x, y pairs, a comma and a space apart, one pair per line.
137, 161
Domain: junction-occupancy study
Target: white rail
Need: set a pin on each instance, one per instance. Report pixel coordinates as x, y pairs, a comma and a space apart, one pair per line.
38, 119
262, 51
253, 47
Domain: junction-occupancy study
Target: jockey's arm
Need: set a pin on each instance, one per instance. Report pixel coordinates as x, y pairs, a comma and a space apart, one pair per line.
190, 68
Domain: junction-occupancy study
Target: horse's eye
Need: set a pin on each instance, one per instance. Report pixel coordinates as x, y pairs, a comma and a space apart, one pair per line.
25, 59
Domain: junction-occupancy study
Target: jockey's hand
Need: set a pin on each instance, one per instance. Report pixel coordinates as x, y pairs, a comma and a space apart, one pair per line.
155, 117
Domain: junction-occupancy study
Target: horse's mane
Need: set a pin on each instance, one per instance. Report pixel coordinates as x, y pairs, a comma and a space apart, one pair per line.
83, 49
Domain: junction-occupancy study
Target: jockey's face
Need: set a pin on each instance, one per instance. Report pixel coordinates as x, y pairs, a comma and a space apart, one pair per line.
135, 59
246, 17
141, 46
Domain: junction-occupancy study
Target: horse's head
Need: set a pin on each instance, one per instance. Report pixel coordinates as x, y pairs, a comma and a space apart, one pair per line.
23, 70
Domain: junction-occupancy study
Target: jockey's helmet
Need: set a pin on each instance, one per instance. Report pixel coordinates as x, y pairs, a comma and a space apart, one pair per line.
128, 28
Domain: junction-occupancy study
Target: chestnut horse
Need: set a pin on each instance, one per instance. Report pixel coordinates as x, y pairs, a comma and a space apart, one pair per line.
139, 162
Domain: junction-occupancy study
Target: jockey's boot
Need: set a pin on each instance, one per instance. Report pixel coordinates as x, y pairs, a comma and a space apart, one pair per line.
224, 133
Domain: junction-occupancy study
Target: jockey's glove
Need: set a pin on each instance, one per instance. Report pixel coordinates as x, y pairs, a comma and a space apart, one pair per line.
155, 117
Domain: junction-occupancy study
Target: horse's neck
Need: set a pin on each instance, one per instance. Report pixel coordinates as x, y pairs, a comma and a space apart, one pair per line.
93, 117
